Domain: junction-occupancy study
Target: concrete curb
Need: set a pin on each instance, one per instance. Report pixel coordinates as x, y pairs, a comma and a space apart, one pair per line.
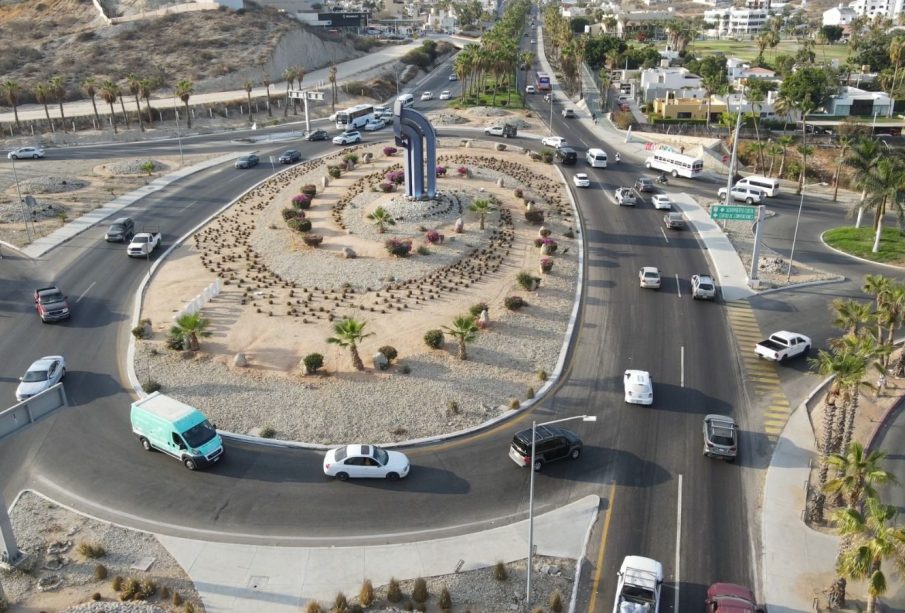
855, 257
883, 423
579, 564
773, 290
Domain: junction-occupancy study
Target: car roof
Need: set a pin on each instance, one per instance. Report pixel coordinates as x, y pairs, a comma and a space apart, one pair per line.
543, 433
359, 450
44, 362
581, 174
643, 564
644, 180
650, 269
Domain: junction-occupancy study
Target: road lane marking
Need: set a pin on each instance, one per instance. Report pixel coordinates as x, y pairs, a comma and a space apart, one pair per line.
663, 232
678, 550
678, 287
82, 295
682, 365
601, 546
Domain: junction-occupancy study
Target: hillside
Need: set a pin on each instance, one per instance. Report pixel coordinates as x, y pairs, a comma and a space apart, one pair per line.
213, 49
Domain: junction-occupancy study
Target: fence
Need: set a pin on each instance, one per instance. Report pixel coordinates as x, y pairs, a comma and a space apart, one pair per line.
197, 303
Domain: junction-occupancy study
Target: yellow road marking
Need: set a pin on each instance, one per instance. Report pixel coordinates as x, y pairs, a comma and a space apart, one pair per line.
602, 545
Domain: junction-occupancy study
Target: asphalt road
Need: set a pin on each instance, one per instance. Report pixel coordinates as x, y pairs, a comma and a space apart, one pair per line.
87, 457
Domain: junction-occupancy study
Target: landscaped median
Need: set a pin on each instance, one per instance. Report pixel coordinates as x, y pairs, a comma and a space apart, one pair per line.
859, 242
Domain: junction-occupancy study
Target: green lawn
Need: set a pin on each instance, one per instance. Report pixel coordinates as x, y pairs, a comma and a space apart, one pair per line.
860, 241
747, 50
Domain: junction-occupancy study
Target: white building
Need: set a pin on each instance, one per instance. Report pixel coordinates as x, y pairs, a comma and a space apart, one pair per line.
670, 83
874, 8
735, 22
739, 70
854, 102
839, 16
739, 103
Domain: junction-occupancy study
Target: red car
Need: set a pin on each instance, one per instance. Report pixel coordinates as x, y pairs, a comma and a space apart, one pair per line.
51, 304
730, 598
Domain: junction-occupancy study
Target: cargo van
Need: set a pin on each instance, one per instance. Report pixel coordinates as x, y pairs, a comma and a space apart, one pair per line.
406, 100
175, 428
596, 158
767, 185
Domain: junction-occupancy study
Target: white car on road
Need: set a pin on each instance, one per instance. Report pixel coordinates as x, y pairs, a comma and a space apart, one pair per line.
445, 95
366, 462
347, 138
553, 141
427, 96
32, 153
661, 201
625, 196
41, 375
639, 389
581, 180
375, 124
744, 193
649, 277
530, 89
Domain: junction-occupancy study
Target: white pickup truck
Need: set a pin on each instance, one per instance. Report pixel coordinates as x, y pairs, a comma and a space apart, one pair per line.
143, 244
783, 345
638, 589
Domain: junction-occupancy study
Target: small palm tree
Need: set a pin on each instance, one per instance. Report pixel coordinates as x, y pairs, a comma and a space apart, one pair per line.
857, 473
89, 87
463, 329
289, 75
41, 92
57, 88
249, 85
349, 333
109, 93
192, 325
11, 91
122, 105
784, 142
844, 143
147, 84
134, 82
804, 151
331, 76
184, 91
381, 218
266, 82
481, 207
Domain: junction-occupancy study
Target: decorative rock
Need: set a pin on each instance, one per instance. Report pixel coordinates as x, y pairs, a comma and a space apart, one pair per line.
380, 361
54, 563
349, 253
58, 547
49, 583
240, 360
459, 226
484, 320
325, 181
499, 182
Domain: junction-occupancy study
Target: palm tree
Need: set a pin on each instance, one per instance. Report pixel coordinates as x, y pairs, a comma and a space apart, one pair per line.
884, 184
41, 92
289, 75
763, 41
331, 76
190, 326
122, 104
145, 86
784, 107
857, 472
773, 150
249, 85
381, 218
349, 332
463, 329
862, 158
896, 54
88, 86
804, 151
844, 143
864, 349
57, 88
785, 142
299, 77
757, 148
481, 207
134, 83
265, 81
184, 91
109, 93
849, 315
11, 91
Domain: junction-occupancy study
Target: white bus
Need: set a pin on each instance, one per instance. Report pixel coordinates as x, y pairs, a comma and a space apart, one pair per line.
676, 164
355, 117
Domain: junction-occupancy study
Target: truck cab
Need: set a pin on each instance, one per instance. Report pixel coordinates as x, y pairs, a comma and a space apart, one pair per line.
638, 589
51, 304
730, 598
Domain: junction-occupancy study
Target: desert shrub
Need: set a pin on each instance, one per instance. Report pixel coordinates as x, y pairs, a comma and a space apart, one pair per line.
556, 602
477, 309
340, 604
441, 171
546, 156
544, 233
542, 375
514, 303
501, 146
518, 192
267, 432
313, 606
366, 593
398, 247
433, 338
175, 340
313, 240
309, 190
177, 599
499, 572
432, 236
394, 592
419, 591
117, 583
302, 201
312, 362
387, 187
423, 250
165, 593
534, 216
389, 352
569, 233
92, 550
445, 602
189, 608
138, 332
95, 597
334, 171
389, 151
405, 369
131, 589
150, 386
100, 572
453, 407
549, 244
530, 393
462, 170
527, 280
290, 214
397, 177
299, 224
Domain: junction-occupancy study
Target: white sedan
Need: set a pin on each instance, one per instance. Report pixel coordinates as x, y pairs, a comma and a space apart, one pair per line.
427, 96
639, 389
32, 153
581, 180
365, 462
661, 201
375, 124
41, 375
445, 95
530, 89
553, 141
649, 276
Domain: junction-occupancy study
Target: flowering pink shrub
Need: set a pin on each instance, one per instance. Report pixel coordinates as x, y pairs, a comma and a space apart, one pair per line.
301, 201
433, 237
388, 151
549, 244
462, 170
441, 171
387, 187
396, 176
546, 264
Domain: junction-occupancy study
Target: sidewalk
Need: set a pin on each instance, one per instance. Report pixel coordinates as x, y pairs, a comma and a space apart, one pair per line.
259, 579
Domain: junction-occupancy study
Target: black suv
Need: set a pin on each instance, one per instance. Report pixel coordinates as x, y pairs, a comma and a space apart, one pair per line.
290, 157
550, 444
566, 156
317, 135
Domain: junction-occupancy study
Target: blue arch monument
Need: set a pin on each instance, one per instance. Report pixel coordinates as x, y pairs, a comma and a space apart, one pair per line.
415, 133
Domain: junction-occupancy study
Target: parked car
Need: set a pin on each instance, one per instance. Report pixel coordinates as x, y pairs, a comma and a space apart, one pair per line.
530, 89
41, 375
51, 304
649, 277
290, 157
347, 138
445, 95
643, 184
661, 201
625, 196
783, 345
568, 114
703, 287
247, 161
426, 96
639, 389
120, 231
365, 461
581, 180
553, 141
317, 135
720, 437
551, 443
674, 221
375, 124
744, 193
26, 153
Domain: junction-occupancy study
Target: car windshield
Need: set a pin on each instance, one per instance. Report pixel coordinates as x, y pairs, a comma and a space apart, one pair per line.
141, 239
707, 287
50, 297
116, 228
381, 456
198, 435
34, 376
651, 275
722, 435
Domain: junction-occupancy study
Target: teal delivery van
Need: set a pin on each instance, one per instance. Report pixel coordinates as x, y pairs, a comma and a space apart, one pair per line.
173, 427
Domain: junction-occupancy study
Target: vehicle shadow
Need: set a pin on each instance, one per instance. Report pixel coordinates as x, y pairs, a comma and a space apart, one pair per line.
96, 384
421, 480
91, 312
625, 467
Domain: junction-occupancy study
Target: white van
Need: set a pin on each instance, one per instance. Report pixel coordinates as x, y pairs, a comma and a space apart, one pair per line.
406, 100
596, 158
765, 184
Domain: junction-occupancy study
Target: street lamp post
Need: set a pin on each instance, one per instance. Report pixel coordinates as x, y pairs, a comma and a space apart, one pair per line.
534, 426
551, 111
178, 133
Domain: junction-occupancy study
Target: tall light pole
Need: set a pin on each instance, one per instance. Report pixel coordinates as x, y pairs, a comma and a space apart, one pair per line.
534, 426
551, 111
21, 201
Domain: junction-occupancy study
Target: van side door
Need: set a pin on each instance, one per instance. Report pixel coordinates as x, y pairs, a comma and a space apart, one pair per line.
175, 445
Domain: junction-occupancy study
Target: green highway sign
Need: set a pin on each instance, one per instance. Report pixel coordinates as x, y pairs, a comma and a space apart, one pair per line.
733, 213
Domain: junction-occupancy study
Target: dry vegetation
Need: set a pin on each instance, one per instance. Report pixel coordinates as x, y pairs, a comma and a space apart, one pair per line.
42, 38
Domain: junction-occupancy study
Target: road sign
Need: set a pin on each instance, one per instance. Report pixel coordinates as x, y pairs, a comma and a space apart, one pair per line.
301, 95
733, 213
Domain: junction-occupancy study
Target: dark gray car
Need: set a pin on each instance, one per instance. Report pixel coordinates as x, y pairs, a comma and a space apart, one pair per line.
247, 161
644, 184
120, 230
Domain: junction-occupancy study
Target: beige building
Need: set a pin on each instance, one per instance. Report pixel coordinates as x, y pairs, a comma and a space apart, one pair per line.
688, 108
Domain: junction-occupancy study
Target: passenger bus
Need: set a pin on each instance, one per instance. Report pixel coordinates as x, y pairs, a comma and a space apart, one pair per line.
676, 164
542, 82
355, 117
